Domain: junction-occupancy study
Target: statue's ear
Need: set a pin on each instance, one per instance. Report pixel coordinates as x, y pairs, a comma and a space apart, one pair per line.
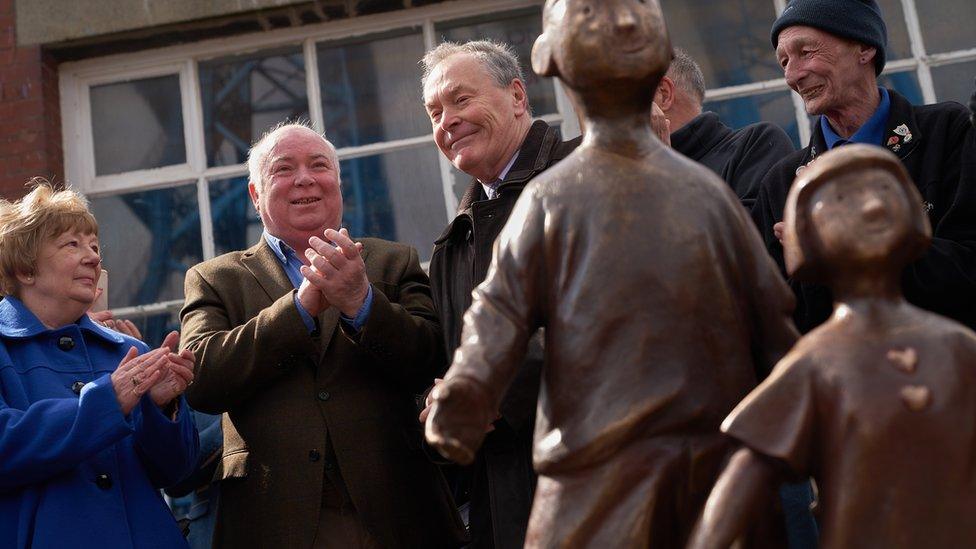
542, 62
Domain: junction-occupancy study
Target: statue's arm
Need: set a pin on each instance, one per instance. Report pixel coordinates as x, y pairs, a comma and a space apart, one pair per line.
742, 491
504, 313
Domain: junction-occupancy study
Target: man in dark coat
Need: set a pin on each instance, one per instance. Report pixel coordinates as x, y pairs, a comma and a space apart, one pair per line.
474, 92
741, 157
831, 52
314, 363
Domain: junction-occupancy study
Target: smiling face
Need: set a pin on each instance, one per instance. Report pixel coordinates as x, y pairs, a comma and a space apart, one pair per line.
860, 218
828, 72
299, 194
477, 124
594, 42
65, 274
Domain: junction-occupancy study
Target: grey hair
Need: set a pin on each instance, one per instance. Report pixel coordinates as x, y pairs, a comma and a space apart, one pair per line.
498, 58
687, 75
257, 156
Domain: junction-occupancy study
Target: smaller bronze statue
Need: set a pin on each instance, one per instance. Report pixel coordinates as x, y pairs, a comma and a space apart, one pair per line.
659, 303
878, 405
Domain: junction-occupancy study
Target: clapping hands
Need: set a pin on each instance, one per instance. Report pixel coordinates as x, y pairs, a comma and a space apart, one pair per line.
162, 372
335, 275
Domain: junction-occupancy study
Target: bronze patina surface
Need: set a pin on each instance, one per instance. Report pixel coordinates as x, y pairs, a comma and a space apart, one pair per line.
659, 302
878, 403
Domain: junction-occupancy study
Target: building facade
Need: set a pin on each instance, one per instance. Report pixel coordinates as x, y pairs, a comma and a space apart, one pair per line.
149, 107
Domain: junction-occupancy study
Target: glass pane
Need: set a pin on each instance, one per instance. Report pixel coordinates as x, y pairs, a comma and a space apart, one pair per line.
905, 83
236, 225
954, 82
898, 45
246, 95
948, 26
371, 88
396, 196
137, 125
155, 327
729, 39
148, 239
776, 107
518, 29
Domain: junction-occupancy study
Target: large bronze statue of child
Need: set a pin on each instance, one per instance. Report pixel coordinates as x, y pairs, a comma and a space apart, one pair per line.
659, 303
879, 403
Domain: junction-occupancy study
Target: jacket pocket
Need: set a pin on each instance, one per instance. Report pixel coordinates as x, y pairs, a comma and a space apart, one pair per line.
232, 465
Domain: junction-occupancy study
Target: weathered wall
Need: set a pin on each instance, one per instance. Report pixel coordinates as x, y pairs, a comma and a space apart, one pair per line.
30, 141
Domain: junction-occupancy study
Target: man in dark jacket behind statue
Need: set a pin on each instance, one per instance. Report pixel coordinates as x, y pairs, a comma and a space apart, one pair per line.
831, 52
475, 96
741, 157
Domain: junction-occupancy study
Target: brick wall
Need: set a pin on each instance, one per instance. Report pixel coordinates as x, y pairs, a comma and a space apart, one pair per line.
30, 119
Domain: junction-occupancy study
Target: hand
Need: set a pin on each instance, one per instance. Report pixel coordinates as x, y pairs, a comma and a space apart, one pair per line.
311, 297
429, 402
178, 372
456, 421
337, 271
660, 124
124, 326
778, 230
135, 375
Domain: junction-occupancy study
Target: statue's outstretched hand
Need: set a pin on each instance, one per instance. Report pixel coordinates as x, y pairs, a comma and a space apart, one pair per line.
457, 418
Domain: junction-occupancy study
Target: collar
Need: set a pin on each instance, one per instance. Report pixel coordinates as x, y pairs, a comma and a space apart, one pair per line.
902, 132
532, 158
501, 177
871, 132
17, 321
700, 135
278, 246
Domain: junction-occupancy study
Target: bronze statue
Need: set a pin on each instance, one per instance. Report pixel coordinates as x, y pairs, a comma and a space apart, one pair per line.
877, 404
659, 303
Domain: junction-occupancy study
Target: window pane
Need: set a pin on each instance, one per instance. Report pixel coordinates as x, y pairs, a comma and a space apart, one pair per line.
948, 26
954, 82
905, 83
244, 96
371, 88
519, 29
148, 239
898, 45
729, 39
137, 125
396, 196
776, 107
236, 225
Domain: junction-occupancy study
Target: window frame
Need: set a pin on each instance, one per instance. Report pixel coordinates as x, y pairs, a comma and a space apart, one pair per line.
76, 78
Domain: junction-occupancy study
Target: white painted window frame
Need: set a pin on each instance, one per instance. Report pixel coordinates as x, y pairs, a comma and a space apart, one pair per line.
76, 78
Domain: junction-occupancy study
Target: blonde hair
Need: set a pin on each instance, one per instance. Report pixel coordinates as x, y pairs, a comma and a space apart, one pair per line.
25, 224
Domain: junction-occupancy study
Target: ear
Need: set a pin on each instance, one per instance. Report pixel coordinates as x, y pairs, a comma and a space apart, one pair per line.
542, 62
25, 279
866, 54
519, 95
252, 190
664, 97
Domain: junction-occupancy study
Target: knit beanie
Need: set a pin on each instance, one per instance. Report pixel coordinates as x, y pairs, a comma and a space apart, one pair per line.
857, 20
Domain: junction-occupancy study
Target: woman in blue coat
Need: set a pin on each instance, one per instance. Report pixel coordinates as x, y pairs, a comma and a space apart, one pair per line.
92, 422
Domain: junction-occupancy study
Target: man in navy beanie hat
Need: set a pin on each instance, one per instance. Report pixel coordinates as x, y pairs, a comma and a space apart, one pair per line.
856, 20
832, 52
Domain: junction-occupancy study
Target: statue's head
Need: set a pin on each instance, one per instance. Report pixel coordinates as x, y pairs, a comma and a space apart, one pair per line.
591, 44
854, 207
